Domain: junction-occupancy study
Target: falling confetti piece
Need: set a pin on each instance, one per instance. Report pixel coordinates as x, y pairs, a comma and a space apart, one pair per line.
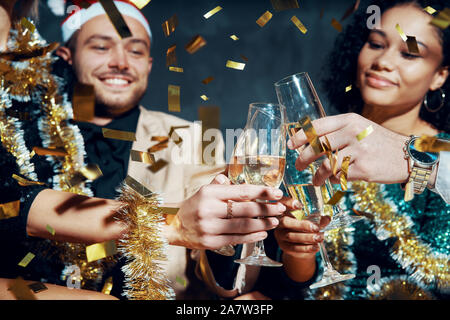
116, 18
207, 80
400, 32
235, 65
234, 37
140, 3
176, 69
299, 24
412, 45
430, 10
264, 19
348, 88
140, 156
364, 133
209, 14
205, 98
336, 24
102, 250
281, 5
118, 134
50, 229
26, 260
174, 98
170, 25
195, 44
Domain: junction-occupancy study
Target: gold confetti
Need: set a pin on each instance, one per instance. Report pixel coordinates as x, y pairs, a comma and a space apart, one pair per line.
204, 98
26, 260
101, 250
118, 134
107, 287
210, 118
264, 19
168, 210
364, 133
116, 18
174, 136
37, 287
170, 25
171, 56
344, 172
50, 151
430, 10
311, 134
9, 209
50, 229
209, 14
195, 44
234, 37
175, 69
163, 144
90, 172
281, 5
431, 144
235, 65
244, 58
174, 98
181, 281
336, 24
337, 196
138, 187
207, 80
27, 24
401, 33
140, 3
83, 102
161, 163
144, 157
442, 19
25, 183
20, 290
348, 88
412, 44
299, 24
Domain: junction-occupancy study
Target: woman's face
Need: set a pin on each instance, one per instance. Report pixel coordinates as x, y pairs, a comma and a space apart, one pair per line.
388, 74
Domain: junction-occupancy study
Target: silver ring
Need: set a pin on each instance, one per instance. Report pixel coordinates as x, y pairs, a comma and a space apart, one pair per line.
230, 209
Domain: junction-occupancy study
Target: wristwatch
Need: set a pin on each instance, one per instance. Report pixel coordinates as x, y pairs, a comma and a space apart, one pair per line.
420, 165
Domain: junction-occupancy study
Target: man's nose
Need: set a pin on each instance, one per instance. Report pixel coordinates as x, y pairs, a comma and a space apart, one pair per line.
118, 59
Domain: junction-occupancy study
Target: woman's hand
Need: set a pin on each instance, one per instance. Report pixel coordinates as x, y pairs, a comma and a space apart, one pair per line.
379, 157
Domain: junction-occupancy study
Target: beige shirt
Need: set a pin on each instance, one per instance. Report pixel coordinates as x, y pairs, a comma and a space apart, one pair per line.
183, 175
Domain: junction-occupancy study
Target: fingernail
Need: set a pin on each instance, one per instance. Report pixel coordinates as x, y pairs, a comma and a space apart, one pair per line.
281, 207
290, 144
315, 228
221, 179
317, 237
278, 193
274, 222
296, 204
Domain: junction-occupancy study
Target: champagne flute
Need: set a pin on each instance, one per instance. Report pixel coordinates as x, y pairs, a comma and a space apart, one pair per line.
265, 149
298, 95
300, 187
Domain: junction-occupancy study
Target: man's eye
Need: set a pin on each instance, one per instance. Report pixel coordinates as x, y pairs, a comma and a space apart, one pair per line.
100, 48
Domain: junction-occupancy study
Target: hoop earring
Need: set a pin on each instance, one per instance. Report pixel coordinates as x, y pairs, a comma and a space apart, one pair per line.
425, 102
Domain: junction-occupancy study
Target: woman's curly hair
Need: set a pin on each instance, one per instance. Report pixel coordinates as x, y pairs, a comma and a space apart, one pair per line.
341, 65
26, 8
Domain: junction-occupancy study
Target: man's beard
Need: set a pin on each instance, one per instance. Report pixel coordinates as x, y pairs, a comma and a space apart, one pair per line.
108, 106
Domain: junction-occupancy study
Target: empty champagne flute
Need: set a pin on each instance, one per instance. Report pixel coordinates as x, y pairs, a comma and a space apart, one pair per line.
264, 160
298, 95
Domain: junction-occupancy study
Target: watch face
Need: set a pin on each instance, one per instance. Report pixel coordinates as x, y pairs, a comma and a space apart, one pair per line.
423, 157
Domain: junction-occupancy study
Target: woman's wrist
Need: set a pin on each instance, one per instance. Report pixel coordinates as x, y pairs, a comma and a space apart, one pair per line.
299, 269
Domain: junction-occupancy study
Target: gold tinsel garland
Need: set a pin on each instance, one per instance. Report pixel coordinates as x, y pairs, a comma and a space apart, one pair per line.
409, 250
143, 246
20, 80
398, 288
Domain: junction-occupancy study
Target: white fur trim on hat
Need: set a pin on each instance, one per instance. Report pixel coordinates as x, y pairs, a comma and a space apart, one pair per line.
80, 17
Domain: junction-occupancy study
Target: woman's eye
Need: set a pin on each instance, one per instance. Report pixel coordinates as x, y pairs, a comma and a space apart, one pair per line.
409, 56
375, 45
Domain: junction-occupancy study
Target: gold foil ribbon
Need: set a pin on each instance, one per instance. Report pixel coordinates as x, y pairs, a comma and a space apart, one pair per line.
264, 19
107, 287
401, 33
144, 157
174, 98
431, 144
209, 14
102, 250
83, 102
299, 24
196, 43
235, 65
344, 171
161, 163
170, 25
9, 209
207, 80
138, 187
50, 229
90, 172
336, 24
337, 196
50, 151
176, 69
116, 18
118, 134
26, 260
20, 289
311, 134
140, 3
171, 56
364, 133
281, 5
25, 183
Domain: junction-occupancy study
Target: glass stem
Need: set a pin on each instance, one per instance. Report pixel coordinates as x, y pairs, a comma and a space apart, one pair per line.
324, 255
259, 249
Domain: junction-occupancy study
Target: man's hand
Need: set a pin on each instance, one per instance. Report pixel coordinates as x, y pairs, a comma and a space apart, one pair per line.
379, 157
203, 222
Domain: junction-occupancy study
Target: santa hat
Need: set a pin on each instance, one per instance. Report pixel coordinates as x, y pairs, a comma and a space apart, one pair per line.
79, 17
